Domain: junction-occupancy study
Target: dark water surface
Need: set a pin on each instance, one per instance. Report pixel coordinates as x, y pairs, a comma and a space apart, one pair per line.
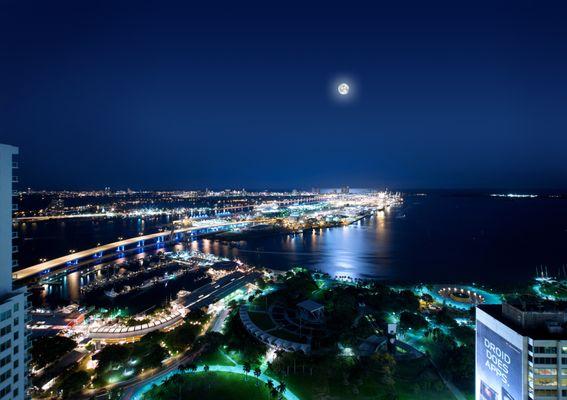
435, 238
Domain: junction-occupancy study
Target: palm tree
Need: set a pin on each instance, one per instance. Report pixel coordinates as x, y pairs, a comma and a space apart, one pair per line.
257, 373
270, 385
274, 393
177, 382
246, 367
193, 367
281, 388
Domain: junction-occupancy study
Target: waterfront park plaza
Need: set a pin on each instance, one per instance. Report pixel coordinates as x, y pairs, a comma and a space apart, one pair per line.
298, 335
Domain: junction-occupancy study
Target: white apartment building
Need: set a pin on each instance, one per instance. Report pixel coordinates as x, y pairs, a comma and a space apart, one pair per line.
14, 342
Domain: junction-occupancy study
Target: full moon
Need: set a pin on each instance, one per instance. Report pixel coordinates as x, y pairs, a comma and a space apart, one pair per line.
343, 89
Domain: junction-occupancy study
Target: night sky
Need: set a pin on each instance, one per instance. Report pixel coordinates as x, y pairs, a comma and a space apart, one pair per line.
164, 95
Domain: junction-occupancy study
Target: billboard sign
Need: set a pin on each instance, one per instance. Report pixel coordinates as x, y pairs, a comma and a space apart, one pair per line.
498, 366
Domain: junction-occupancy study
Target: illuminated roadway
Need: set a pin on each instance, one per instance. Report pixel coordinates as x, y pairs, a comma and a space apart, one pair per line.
56, 262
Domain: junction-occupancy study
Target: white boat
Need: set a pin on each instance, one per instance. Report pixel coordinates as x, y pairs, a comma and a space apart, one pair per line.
111, 293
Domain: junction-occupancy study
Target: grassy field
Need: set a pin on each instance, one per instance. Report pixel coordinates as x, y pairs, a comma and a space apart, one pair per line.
210, 385
415, 379
216, 358
558, 290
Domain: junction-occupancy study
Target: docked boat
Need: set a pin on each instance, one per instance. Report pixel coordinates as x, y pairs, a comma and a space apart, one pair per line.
111, 293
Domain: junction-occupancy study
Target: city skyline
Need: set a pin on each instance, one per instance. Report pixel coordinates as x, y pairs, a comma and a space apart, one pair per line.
283, 200
190, 96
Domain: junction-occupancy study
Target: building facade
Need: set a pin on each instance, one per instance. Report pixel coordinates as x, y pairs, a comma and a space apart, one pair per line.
14, 339
521, 351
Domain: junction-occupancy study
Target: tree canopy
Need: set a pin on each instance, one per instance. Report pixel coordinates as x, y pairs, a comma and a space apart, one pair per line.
46, 350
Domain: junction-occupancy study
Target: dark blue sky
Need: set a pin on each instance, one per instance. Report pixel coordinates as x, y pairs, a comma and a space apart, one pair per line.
179, 95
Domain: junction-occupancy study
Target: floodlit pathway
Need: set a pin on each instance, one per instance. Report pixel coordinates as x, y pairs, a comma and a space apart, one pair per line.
229, 358
236, 369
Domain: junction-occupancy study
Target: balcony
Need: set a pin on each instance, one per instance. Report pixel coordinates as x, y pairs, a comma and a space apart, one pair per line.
15, 234
14, 249
15, 207
15, 179
15, 165
15, 263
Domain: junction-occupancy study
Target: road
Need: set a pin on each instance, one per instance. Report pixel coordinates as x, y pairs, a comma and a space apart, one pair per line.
218, 323
133, 384
214, 291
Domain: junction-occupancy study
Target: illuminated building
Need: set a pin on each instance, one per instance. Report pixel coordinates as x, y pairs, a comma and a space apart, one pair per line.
13, 336
521, 351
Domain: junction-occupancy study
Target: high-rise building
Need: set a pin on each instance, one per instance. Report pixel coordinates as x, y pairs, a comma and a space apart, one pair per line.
521, 351
14, 340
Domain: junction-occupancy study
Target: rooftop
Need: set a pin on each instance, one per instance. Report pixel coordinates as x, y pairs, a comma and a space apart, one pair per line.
310, 306
535, 319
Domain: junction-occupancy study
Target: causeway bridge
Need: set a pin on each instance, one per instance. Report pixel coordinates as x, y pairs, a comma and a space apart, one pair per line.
69, 261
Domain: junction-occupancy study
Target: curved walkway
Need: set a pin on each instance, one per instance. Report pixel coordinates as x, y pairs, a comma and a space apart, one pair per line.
489, 298
267, 338
119, 331
139, 394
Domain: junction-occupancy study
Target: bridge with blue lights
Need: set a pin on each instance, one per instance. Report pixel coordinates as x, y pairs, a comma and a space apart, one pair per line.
73, 260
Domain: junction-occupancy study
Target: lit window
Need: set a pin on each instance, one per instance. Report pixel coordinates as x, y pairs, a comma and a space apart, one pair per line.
546, 371
548, 381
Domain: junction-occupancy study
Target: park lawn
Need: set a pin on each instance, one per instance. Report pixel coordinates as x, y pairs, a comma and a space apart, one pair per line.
262, 320
332, 385
557, 290
215, 358
209, 385
308, 389
238, 358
